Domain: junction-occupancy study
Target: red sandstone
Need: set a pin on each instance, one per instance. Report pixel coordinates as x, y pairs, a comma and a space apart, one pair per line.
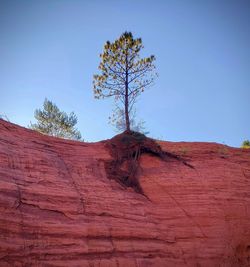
59, 208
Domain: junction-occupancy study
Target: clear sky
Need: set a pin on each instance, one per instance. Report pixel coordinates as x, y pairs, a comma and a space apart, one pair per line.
50, 48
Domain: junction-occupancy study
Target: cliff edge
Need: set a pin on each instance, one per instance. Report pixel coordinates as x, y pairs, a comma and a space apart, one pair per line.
59, 206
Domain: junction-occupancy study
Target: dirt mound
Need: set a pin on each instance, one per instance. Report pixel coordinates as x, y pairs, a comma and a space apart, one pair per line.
126, 149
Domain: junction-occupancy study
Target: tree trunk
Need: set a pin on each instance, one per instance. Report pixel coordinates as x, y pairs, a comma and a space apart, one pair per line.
126, 99
126, 110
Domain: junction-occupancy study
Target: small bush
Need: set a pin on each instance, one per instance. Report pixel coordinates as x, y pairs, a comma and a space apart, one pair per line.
246, 144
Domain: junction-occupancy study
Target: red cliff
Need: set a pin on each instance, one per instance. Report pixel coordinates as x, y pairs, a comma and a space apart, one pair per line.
59, 206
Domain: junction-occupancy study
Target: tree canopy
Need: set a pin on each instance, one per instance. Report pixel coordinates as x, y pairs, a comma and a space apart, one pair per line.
124, 74
52, 121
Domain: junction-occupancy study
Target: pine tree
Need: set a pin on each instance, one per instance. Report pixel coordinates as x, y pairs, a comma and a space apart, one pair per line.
124, 74
52, 121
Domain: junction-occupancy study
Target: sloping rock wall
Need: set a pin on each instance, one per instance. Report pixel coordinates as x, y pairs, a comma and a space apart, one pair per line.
59, 208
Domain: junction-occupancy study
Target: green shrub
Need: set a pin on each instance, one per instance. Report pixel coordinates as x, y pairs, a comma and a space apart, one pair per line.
246, 144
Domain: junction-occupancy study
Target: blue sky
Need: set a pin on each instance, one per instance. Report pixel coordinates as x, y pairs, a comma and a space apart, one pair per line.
50, 48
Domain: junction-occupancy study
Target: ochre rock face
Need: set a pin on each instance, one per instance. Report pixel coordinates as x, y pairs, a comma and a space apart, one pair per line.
58, 206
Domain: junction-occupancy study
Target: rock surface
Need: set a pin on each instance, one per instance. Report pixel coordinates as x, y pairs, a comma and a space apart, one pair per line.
59, 208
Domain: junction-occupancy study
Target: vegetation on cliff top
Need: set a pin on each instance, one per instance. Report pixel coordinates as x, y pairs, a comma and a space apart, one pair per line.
52, 121
124, 74
246, 144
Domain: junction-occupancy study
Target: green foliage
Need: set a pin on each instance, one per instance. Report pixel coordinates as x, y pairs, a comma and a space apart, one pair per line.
52, 121
246, 144
124, 74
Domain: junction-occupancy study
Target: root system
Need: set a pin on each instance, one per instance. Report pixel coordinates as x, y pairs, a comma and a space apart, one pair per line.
126, 150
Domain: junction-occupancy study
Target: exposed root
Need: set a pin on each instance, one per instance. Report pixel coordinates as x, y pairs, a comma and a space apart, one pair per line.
126, 150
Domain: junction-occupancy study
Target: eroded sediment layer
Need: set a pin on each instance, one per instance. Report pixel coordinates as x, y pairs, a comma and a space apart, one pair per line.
59, 208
